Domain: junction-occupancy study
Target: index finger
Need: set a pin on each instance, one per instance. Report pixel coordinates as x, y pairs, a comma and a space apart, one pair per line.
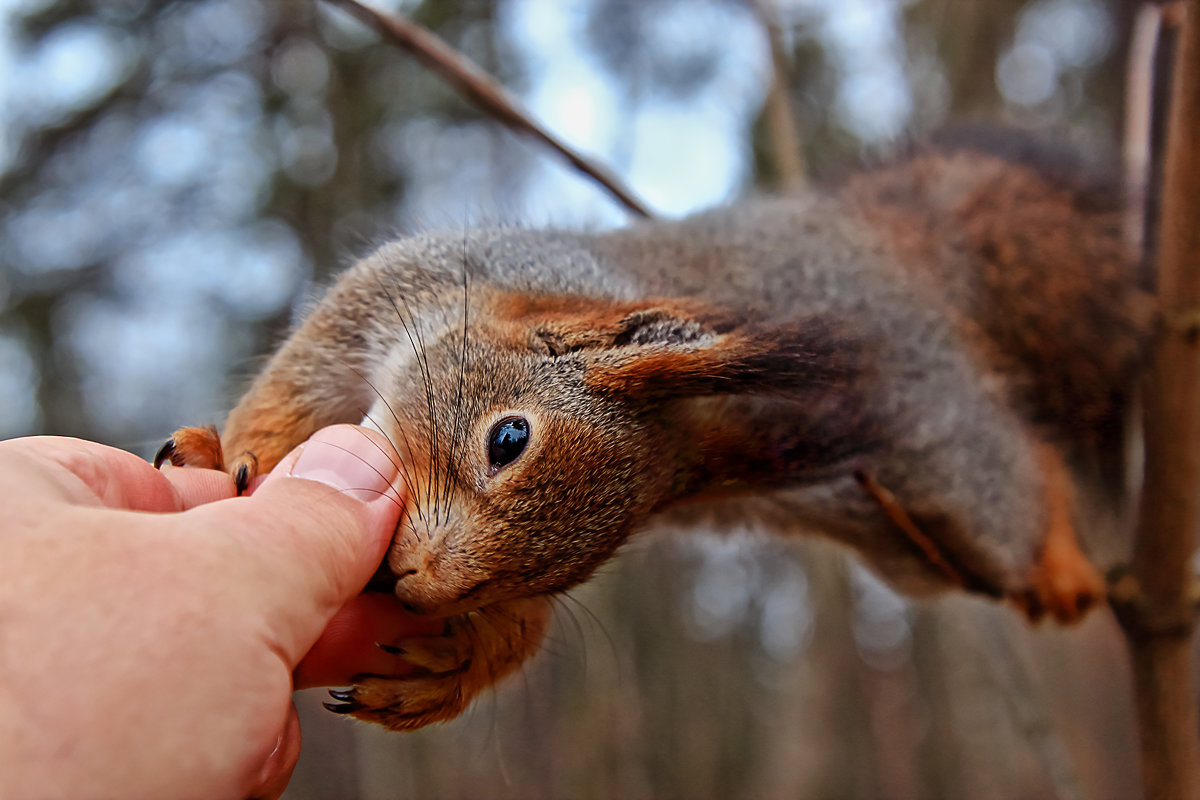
356, 641
84, 473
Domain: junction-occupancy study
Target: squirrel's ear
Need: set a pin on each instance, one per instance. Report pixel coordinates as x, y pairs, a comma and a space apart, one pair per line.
673, 347
608, 327
743, 359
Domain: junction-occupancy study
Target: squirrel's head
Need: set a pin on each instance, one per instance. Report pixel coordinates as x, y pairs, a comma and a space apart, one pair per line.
539, 432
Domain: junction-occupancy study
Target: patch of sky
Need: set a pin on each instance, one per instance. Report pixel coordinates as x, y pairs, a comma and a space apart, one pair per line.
681, 156
142, 365
865, 42
255, 270
1052, 38
70, 68
454, 173
214, 32
54, 232
300, 67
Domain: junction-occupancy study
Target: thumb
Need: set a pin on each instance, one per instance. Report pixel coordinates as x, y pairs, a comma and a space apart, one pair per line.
313, 533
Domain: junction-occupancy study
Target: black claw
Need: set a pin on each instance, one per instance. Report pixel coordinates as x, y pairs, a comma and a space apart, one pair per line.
241, 479
343, 708
164, 453
391, 649
342, 695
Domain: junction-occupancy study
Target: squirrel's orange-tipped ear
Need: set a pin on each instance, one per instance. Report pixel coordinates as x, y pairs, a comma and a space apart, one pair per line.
677, 324
742, 360
560, 324
680, 347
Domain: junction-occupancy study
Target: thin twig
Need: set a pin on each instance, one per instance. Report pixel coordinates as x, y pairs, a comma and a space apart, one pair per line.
1139, 79
779, 111
475, 84
896, 513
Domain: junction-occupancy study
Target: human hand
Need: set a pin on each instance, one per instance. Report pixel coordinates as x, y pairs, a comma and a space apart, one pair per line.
153, 626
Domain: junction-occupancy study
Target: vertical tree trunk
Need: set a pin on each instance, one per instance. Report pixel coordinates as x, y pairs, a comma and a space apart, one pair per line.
1159, 611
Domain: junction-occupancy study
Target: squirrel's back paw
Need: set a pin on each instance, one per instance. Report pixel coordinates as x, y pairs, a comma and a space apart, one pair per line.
201, 447
1062, 583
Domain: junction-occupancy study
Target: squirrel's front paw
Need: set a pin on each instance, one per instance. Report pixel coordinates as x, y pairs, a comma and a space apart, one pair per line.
201, 447
473, 652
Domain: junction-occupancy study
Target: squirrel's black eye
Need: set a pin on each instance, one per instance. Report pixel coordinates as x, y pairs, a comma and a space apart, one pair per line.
507, 441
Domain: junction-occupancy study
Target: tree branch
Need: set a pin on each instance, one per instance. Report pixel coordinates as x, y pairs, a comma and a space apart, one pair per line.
779, 112
1158, 616
479, 87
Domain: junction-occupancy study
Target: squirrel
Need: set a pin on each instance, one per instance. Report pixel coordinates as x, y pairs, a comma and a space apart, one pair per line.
930, 361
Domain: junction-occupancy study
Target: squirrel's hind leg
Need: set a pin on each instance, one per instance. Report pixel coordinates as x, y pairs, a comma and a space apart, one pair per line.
1063, 583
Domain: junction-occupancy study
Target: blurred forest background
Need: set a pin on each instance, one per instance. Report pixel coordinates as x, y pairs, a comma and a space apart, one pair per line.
178, 178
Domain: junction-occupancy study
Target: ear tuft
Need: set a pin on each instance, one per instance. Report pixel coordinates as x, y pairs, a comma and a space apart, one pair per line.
750, 359
671, 347
660, 326
574, 324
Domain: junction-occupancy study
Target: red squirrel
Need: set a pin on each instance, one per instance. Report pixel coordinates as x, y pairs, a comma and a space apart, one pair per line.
927, 362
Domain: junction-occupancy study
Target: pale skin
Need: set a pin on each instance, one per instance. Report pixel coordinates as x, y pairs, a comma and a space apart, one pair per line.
153, 626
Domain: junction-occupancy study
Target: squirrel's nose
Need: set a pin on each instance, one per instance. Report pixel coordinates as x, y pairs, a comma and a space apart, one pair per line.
410, 555
422, 582
413, 592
